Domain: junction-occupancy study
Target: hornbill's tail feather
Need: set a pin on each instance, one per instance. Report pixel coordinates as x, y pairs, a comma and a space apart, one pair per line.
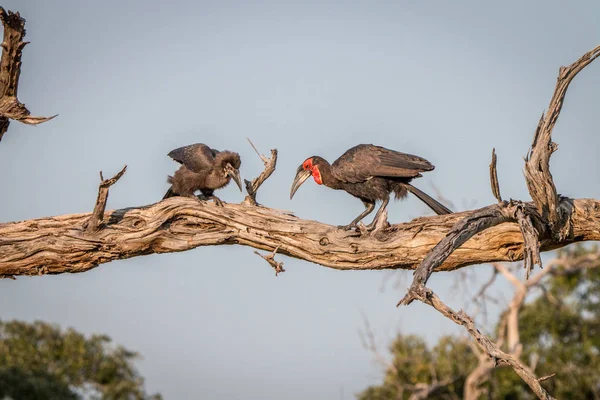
430, 201
169, 193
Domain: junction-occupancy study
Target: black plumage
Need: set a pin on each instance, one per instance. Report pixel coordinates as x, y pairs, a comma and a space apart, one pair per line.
203, 169
370, 173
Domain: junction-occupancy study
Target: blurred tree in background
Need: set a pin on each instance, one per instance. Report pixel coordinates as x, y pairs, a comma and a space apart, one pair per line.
40, 361
558, 329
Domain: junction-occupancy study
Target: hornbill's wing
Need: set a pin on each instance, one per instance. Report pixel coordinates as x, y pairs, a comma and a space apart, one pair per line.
366, 161
196, 157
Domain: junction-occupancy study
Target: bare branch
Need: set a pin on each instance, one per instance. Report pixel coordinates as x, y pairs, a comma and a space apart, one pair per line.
60, 244
531, 242
494, 178
462, 231
485, 344
277, 265
545, 378
10, 69
537, 165
95, 221
264, 159
270, 164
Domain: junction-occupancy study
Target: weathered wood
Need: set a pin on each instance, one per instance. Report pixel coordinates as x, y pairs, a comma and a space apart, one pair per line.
537, 166
60, 244
253, 186
494, 178
485, 344
10, 69
553, 218
96, 220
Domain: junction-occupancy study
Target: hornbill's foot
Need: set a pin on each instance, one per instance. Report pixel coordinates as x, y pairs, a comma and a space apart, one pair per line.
370, 227
348, 227
203, 198
217, 200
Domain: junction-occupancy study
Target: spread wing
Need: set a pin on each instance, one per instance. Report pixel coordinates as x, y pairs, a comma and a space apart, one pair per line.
366, 161
196, 157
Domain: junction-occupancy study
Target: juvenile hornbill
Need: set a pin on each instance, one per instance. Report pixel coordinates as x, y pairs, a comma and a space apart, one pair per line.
203, 169
370, 173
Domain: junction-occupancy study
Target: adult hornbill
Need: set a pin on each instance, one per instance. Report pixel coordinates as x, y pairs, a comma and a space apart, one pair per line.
203, 169
370, 173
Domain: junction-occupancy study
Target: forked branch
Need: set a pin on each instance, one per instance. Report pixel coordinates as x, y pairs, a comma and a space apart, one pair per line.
537, 166
95, 221
270, 164
270, 258
483, 342
553, 216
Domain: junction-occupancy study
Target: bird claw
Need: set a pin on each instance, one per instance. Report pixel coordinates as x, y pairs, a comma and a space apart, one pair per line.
218, 201
347, 227
370, 227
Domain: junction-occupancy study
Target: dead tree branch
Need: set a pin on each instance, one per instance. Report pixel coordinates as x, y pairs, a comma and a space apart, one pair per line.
553, 216
530, 239
537, 166
10, 69
270, 258
494, 178
484, 343
61, 244
270, 164
95, 221
462, 231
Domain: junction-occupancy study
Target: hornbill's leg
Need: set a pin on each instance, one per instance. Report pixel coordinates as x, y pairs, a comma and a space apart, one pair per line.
370, 207
208, 195
384, 204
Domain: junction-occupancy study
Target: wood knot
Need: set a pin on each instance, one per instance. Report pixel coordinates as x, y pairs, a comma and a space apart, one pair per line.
354, 247
324, 241
138, 223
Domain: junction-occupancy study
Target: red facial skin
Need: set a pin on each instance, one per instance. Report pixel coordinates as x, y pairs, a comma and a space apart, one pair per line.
308, 166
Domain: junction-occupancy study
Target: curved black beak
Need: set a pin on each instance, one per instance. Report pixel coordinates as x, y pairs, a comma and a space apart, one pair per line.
235, 174
301, 175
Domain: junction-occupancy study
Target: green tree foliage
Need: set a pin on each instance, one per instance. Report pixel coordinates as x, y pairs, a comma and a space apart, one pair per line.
560, 328
414, 363
40, 361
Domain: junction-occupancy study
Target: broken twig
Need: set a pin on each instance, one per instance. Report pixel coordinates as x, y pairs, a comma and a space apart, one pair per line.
270, 164
277, 265
95, 221
494, 178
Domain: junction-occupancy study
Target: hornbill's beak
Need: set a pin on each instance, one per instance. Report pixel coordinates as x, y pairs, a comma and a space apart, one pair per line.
235, 174
301, 175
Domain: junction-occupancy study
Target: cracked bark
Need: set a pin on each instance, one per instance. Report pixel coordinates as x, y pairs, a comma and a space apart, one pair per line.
553, 217
61, 244
10, 69
500, 232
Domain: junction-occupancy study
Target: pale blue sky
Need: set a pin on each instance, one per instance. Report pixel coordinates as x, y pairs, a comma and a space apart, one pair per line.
133, 80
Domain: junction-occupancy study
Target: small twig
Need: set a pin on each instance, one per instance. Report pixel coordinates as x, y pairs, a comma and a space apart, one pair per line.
264, 159
270, 164
10, 69
95, 221
494, 178
545, 378
270, 258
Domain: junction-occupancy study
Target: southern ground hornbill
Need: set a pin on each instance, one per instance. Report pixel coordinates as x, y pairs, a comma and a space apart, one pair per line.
370, 173
203, 169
